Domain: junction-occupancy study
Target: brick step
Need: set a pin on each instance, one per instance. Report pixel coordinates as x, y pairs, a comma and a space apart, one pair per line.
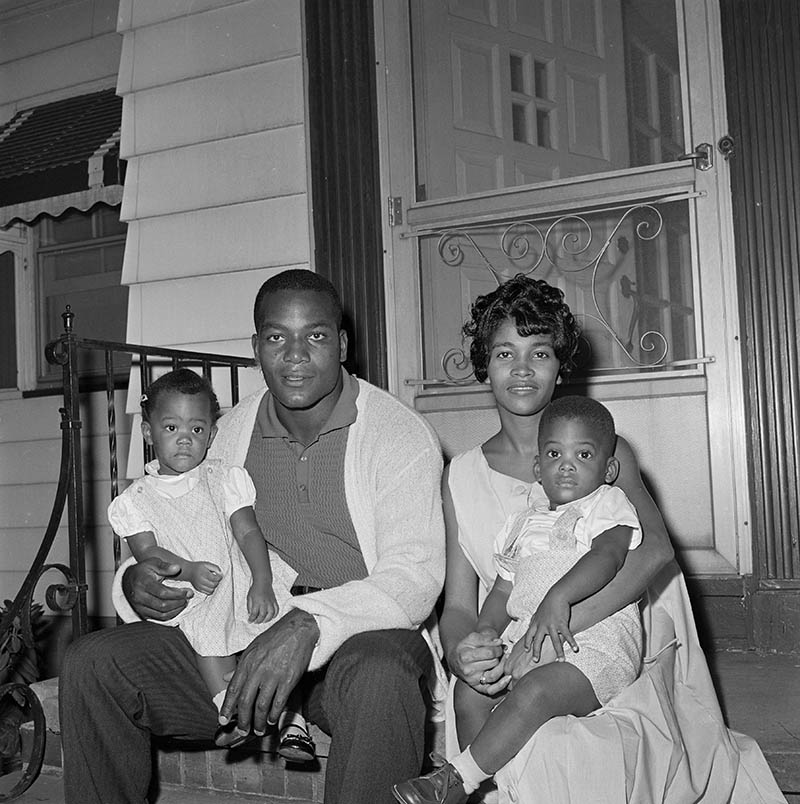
255, 768
252, 769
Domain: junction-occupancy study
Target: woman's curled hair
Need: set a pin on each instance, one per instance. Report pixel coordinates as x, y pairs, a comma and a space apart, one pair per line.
535, 307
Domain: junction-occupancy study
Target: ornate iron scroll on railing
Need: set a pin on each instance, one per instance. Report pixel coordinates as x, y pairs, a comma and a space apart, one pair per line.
18, 703
567, 244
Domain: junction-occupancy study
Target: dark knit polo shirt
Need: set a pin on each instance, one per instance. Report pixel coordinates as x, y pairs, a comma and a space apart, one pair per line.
301, 504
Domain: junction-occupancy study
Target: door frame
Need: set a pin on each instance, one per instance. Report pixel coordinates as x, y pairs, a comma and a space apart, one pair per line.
726, 418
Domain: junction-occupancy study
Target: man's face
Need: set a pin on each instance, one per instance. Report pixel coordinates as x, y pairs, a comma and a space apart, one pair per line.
300, 349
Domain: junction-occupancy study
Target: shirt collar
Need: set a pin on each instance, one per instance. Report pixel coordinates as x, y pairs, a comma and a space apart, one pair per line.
152, 467
343, 414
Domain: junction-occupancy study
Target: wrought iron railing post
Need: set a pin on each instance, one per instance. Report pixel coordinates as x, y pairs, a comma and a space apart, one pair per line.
75, 512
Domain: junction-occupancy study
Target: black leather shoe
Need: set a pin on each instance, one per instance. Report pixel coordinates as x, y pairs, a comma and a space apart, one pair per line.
296, 745
443, 786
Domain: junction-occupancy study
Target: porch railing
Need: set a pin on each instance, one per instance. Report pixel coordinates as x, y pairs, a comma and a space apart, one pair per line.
16, 629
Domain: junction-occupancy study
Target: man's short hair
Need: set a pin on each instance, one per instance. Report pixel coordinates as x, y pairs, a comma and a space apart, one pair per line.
297, 279
179, 381
583, 409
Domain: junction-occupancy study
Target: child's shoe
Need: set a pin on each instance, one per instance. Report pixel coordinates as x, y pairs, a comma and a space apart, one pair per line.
443, 786
296, 744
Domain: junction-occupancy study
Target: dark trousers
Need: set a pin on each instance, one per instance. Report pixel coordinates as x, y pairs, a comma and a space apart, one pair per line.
122, 686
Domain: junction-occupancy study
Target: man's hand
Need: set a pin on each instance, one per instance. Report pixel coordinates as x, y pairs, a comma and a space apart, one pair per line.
268, 671
142, 585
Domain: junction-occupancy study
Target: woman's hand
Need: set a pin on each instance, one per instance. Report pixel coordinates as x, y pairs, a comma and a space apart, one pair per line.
478, 660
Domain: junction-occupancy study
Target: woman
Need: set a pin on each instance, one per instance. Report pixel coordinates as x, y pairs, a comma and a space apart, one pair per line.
663, 738
524, 340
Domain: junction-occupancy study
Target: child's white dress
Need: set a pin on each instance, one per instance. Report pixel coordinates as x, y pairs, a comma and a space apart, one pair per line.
538, 546
190, 515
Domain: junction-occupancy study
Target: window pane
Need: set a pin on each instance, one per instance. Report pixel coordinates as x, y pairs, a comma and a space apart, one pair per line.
8, 321
626, 275
80, 264
609, 73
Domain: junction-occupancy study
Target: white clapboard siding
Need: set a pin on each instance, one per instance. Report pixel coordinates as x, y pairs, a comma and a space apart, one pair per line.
211, 174
196, 309
39, 461
90, 65
271, 232
214, 41
56, 25
241, 101
136, 14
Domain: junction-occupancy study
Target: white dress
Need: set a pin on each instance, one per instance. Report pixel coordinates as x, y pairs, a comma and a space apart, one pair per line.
538, 546
662, 740
190, 516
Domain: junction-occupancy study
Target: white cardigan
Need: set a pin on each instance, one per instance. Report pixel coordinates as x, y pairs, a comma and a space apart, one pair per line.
392, 477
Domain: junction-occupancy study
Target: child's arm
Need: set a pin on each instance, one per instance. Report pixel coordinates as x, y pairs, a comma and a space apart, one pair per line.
591, 572
261, 603
202, 575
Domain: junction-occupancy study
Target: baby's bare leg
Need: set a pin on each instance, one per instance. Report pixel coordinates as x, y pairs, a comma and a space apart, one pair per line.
471, 708
558, 688
213, 669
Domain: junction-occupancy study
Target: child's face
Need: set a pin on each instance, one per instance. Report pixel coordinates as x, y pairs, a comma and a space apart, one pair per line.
180, 430
571, 462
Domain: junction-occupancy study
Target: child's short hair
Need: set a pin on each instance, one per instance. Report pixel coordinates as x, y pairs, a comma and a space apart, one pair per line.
584, 409
297, 279
535, 307
179, 381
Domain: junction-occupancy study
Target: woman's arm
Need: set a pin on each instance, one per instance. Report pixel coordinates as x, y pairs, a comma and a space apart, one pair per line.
641, 565
469, 654
494, 614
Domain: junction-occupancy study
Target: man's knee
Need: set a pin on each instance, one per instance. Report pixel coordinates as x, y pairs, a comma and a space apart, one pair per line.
388, 651
395, 661
80, 659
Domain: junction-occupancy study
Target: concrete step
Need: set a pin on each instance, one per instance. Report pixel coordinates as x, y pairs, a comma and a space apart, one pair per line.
760, 696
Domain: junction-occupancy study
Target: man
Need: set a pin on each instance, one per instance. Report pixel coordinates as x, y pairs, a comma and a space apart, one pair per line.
348, 495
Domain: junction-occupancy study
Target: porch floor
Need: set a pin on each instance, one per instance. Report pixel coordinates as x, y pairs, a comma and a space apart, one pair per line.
760, 696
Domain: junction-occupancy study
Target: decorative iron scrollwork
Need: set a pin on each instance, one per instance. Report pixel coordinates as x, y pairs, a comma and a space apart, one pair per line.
567, 244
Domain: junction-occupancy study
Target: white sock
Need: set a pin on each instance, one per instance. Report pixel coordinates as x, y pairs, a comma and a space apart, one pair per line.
219, 699
471, 773
290, 718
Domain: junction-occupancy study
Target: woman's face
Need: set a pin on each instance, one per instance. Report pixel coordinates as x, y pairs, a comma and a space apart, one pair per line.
523, 370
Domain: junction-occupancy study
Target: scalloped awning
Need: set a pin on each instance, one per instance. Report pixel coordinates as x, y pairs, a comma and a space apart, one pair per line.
61, 155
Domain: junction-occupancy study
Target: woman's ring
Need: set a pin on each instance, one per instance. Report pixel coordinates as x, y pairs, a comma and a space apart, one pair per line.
482, 681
